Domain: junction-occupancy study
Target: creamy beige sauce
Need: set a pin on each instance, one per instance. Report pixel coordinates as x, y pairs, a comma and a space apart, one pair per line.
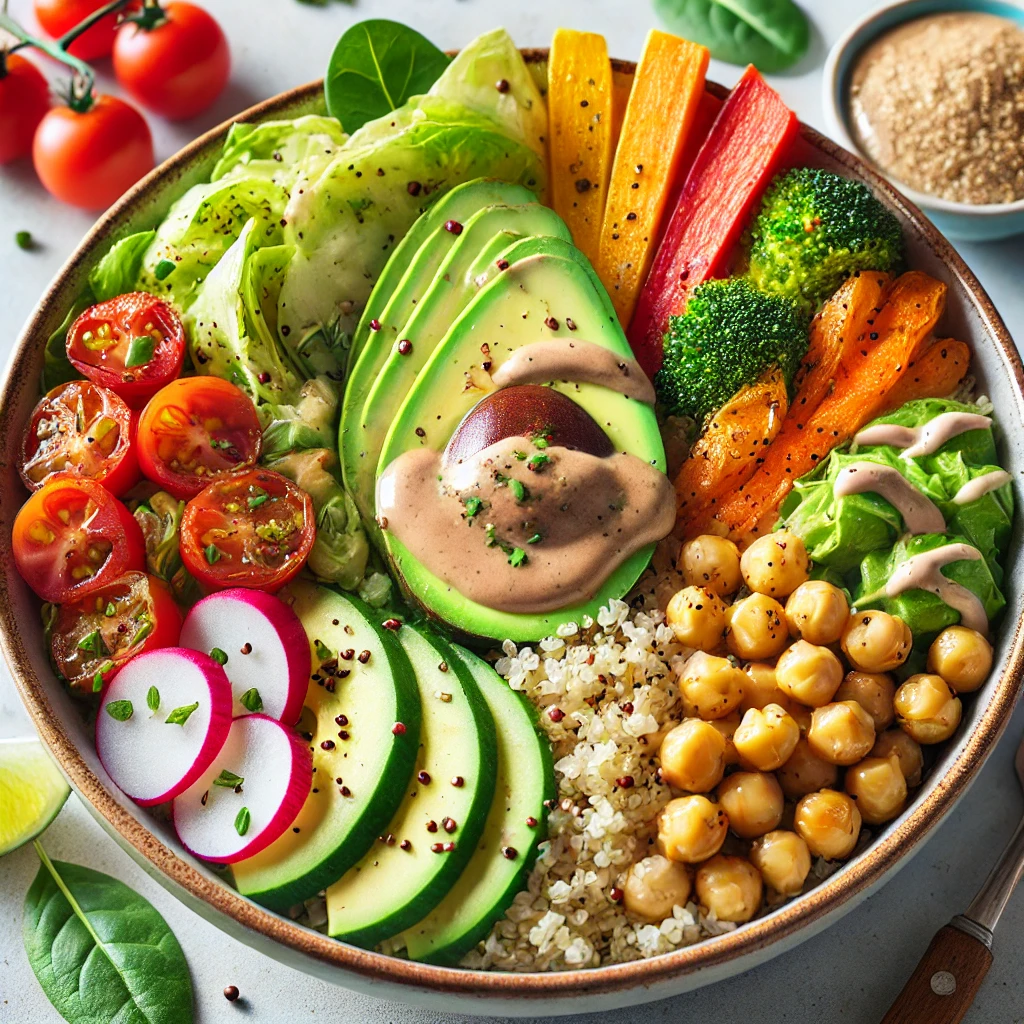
926, 439
924, 572
980, 486
579, 361
576, 519
920, 514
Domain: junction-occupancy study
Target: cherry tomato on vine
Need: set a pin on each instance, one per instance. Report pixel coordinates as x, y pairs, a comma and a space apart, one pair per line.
250, 529
173, 58
195, 429
133, 344
83, 430
59, 16
73, 537
91, 157
93, 637
24, 100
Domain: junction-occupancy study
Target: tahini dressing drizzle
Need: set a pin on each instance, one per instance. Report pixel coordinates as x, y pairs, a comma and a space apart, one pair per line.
980, 486
920, 514
926, 439
924, 572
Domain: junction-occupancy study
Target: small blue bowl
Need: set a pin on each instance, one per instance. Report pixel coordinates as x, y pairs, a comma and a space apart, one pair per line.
961, 221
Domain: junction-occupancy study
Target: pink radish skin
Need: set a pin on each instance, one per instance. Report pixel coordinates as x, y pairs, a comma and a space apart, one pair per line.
279, 662
277, 770
151, 760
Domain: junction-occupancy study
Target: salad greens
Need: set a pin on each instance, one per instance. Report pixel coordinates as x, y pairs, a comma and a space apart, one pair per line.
119, 269
159, 518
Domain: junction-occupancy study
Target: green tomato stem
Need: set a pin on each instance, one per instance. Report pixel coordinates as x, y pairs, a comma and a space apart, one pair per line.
87, 23
83, 80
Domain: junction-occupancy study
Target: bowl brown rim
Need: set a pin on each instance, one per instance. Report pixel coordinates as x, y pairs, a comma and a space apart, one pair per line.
859, 875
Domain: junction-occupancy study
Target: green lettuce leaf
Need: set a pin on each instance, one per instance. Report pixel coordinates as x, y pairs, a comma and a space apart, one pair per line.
311, 423
159, 518
119, 269
57, 368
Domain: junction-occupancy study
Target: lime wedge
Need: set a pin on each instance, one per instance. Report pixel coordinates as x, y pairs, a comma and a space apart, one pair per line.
32, 791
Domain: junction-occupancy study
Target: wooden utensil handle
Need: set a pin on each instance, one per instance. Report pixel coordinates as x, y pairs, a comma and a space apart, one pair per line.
942, 988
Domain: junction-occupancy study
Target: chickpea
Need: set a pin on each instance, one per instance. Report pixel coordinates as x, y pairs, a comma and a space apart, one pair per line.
693, 756
654, 886
805, 772
726, 728
829, 823
711, 562
907, 750
730, 888
697, 618
766, 737
874, 692
753, 801
775, 564
761, 687
878, 786
800, 713
926, 709
784, 861
962, 656
691, 829
841, 733
809, 674
711, 686
756, 627
817, 612
876, 641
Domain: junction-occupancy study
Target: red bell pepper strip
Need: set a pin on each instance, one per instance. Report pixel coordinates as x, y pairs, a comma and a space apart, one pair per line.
746, 144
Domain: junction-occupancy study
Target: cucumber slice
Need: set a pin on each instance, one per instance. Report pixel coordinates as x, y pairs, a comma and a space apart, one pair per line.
508, 847
407, 873
336, 825
32, 791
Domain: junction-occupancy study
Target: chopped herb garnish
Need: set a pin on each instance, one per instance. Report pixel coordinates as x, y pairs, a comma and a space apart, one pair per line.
93, 643
517, 558
140, 351
97, 679
163, 269
23, 240
251, 700
219, 656
122, 710
152, 698
222, 444
111, 610
213, 553
242, 821
490, 535
145, 628
534, 539
538, 461
518, 489
323, 652
179, 716
257, 500
519, 455
228, 780
473, 506
540, 442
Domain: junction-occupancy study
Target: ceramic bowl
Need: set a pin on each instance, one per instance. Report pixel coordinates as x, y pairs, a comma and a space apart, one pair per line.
152, 842
963, 221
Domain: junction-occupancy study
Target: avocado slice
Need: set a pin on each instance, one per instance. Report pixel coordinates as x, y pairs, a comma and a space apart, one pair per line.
459, 205
469, 265
407, 873
516, 824
534, 299
337, 826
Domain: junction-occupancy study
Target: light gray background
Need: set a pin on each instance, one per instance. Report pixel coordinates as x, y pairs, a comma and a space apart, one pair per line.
848, 974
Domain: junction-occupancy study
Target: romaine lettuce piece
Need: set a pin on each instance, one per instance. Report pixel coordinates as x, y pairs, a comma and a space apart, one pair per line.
311, 423
119, 269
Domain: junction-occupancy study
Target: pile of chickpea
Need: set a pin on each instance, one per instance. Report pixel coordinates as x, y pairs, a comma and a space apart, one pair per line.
773, 718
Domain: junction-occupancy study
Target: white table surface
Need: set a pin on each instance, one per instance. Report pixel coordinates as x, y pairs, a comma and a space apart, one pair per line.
850, 973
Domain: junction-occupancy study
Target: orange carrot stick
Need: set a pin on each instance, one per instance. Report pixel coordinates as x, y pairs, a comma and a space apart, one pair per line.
935, 373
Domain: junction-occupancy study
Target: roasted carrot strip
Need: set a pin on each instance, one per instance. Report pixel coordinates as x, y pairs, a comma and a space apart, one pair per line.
669, 80
935, 373
580, 99
729, 450
865, 378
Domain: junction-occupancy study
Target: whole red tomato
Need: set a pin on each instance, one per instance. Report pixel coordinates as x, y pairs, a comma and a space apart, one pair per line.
174, 61
59, 16
24, 99
91, 157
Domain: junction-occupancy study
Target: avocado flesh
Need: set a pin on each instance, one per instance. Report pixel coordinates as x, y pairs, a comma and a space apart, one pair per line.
392, 888
335, 830
556, 281
491, 879
468, 266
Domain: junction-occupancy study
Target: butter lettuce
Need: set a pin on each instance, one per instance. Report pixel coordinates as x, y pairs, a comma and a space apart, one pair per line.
312, 422
119, 269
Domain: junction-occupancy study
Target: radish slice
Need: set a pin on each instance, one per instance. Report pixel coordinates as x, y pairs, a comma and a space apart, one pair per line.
268, 656
250, 794
162, 721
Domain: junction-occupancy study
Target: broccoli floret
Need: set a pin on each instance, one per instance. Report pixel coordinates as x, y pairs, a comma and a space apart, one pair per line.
729, 335
814, 230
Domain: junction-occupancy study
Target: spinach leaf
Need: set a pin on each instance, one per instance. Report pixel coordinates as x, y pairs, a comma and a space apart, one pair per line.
56, 367
376, 66
101, 952
773, 34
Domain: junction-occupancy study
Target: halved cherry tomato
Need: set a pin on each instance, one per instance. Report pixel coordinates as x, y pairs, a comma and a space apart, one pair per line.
133, 344
95, 635
84, 430
24, 100
72, 537
193, 430
176, 66
251, 529
59, 16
